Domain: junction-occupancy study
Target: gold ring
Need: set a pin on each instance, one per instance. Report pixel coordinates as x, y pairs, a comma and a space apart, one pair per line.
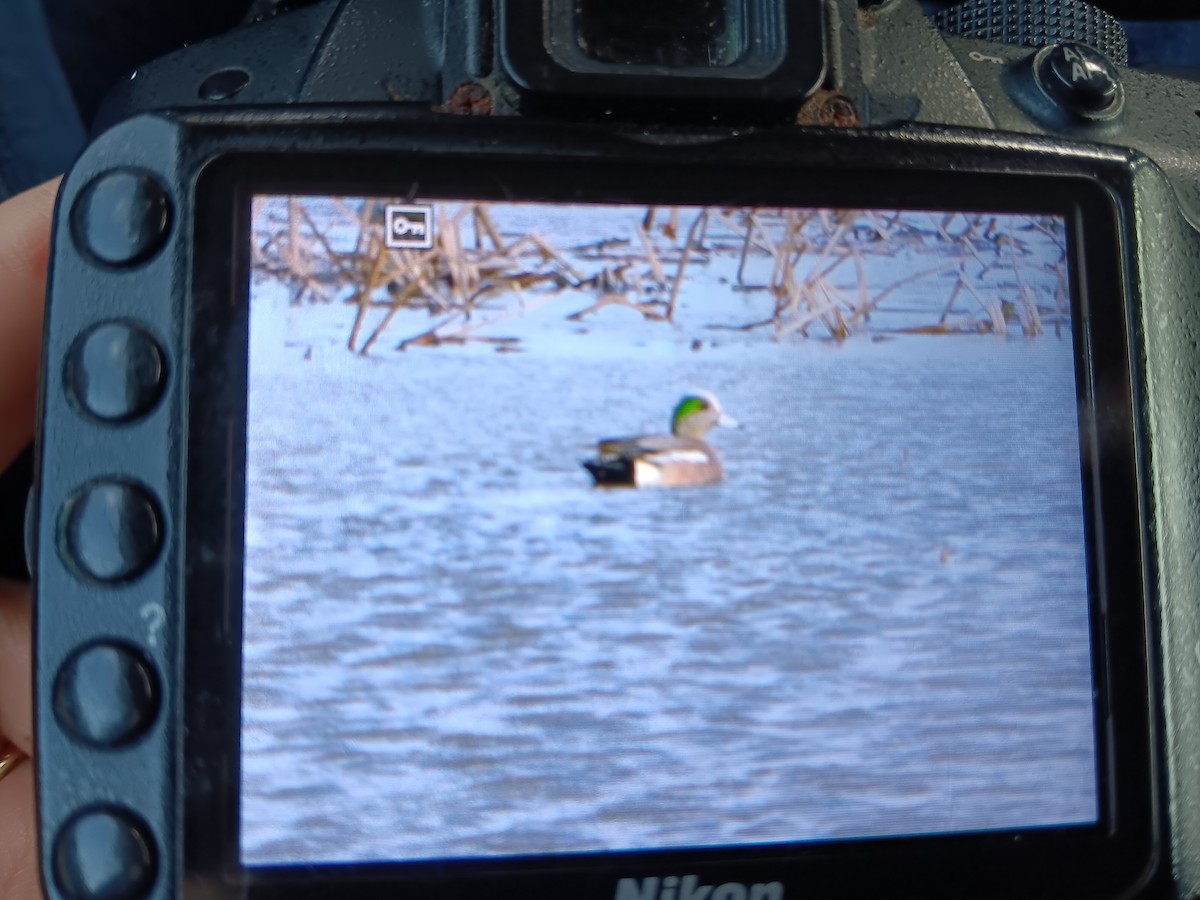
12, 757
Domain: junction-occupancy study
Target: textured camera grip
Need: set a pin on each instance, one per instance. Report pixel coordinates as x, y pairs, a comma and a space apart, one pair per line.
1036, 23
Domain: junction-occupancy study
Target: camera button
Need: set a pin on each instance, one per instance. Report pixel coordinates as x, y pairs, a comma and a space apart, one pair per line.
116, 372
106, 695
104, 853
1079, 79
112, 531
122, 217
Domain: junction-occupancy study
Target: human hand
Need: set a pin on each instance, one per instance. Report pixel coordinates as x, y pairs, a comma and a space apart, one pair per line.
24, 254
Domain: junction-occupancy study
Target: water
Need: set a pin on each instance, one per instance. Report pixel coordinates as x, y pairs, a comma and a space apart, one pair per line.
455, 646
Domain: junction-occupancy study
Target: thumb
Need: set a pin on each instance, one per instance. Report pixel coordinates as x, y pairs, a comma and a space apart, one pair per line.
18, 823
24, 255
18, 838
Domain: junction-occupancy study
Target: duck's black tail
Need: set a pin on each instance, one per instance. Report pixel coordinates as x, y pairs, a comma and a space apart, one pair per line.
610, 472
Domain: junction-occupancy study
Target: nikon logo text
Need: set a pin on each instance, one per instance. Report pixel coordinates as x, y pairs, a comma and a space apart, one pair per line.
688, 887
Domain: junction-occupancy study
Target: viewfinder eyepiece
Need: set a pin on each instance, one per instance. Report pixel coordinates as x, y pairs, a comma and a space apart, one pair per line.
671, 33
710, 56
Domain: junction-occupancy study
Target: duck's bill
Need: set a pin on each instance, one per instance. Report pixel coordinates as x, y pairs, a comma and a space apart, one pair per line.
728, 422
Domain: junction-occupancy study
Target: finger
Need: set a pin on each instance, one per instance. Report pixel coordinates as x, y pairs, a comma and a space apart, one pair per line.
18, 860
16, 666
24, 255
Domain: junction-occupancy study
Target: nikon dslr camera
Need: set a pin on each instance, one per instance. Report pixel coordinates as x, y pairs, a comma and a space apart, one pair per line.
708, 450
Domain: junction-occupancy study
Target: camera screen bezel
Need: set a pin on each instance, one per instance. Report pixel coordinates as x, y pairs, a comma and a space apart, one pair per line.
1066, 861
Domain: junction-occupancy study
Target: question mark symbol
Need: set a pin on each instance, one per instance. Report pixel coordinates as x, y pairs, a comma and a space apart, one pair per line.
155, 617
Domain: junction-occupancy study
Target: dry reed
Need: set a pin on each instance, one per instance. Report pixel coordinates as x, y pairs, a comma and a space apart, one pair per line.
824, 270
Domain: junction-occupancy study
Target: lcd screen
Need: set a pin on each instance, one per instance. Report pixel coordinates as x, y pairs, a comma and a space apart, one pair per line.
575, 528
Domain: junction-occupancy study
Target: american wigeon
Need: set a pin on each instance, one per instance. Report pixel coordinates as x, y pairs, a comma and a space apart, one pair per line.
679, 459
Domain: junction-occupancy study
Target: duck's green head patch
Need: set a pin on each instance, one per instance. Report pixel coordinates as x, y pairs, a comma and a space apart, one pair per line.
688, 406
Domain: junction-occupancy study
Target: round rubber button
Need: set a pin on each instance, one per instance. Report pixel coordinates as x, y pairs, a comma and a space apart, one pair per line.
122, 217
116, 372
1079, 79
104, 854
112, 531
106, 695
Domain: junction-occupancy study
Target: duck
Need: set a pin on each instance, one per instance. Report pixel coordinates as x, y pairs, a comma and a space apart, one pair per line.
682, 458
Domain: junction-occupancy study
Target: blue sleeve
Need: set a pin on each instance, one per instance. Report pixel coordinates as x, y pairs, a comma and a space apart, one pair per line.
40, 129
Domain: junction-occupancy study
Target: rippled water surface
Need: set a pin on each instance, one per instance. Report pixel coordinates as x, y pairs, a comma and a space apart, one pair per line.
455, 646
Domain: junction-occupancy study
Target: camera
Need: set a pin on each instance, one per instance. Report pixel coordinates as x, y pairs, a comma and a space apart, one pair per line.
723, 450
